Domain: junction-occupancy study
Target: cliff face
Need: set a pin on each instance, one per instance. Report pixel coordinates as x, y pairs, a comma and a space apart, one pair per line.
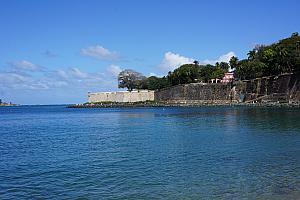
283, 89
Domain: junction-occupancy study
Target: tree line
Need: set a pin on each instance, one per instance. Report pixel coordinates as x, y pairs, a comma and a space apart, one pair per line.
263, 60
187, 73
269, 60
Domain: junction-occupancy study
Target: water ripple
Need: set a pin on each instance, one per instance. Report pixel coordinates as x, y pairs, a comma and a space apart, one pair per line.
51, 152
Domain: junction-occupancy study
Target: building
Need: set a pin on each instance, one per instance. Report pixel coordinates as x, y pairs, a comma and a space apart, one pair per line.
228, 77
215, 80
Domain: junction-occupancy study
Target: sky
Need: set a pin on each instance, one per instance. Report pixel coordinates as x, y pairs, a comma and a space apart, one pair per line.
56, 51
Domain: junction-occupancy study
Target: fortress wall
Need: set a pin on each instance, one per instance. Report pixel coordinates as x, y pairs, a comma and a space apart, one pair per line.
195, 92
134, 96
283, 88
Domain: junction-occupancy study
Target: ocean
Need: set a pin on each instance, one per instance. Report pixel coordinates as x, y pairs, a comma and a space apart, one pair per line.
223, 152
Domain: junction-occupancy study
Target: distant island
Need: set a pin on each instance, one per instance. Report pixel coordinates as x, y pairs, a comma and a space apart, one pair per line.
6, 104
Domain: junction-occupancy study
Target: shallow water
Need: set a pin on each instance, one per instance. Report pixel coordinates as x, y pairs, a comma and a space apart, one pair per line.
53, 152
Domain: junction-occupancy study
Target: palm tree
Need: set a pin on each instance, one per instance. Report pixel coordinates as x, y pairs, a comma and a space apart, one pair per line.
251, 54
283, 58
233, 62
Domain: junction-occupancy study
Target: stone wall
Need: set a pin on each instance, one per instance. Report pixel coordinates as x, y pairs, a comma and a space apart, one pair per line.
283, 89
122, 96
195, 93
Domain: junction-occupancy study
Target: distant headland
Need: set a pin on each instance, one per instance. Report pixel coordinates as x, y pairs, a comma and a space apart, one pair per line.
269, 76
7, 104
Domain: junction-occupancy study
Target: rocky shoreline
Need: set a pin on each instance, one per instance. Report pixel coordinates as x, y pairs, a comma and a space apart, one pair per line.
7, 104
170, 104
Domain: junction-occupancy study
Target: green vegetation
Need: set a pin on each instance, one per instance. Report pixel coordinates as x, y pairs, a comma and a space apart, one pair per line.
278, 58
187, 73
191, 73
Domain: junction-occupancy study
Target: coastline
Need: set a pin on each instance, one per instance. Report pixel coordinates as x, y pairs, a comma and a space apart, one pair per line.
183, 104
8, 105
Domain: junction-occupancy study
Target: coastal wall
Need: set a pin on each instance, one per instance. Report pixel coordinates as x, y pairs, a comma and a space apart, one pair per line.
283, 89
195, 93
121, 96
280, 89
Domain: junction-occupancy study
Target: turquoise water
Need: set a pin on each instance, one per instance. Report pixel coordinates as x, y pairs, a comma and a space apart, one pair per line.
53, 152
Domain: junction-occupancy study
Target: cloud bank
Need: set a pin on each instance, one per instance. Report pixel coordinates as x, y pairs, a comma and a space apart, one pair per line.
24, 65
65, 85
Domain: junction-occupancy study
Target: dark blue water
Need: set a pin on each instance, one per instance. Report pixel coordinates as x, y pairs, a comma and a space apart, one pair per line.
53, 152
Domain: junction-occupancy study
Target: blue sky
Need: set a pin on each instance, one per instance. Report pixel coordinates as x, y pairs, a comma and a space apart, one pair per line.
54, 52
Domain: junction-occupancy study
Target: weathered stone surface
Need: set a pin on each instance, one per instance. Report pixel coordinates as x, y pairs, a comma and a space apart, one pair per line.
283, 89
122, 96
195, 92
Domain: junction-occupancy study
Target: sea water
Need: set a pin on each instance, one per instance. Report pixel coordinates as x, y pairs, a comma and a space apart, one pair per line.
54, 152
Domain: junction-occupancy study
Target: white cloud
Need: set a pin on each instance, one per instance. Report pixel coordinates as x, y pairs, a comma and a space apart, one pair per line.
75, 72
222, 58
65, 85
14, 80
77, 78
172, 60
25, 65
10, 77
99, 52
70, 79
114, 70
62, 74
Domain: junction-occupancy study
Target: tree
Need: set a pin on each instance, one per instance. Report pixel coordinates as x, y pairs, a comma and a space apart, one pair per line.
196, 62
154, 83
206, 72
277, 58
217, 73
296, 34
233, 62
130, 79
251, 54
187, 73
251, 69
224, 66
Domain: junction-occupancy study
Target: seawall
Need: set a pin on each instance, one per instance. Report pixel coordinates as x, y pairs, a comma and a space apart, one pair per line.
121, 96
284, 88
195, 93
